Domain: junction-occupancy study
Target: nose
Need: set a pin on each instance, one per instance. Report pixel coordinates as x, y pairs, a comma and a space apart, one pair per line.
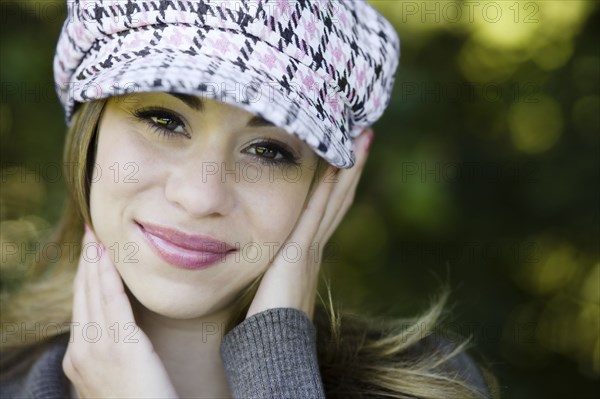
201, 188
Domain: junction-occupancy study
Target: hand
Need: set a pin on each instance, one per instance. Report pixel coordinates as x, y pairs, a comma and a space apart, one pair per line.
108, 354
294, 283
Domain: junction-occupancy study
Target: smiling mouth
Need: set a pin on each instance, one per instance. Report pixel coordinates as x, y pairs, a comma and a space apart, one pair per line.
183, 250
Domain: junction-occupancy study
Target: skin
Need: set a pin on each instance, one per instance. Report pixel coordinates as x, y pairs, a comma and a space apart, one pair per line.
175, 315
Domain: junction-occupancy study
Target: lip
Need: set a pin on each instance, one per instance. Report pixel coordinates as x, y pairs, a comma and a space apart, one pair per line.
186, 251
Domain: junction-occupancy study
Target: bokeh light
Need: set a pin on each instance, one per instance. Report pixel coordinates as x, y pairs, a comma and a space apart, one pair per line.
484, 172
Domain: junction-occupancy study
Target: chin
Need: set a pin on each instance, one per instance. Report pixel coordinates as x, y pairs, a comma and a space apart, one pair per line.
175, 304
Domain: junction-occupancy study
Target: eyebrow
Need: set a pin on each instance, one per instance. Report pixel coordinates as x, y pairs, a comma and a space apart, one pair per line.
259, 121
197, 104
191, 101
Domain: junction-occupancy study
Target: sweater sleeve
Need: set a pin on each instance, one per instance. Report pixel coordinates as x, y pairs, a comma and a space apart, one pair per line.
273, 354
44, 378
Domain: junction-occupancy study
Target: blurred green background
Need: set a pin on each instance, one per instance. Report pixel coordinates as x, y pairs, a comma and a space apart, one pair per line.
484, 173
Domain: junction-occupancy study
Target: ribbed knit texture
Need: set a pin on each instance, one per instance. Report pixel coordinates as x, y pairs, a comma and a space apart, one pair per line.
273, 354
270, 355
45, 379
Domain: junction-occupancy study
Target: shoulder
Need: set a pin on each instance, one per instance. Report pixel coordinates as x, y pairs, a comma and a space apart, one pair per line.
36, 371
273, 354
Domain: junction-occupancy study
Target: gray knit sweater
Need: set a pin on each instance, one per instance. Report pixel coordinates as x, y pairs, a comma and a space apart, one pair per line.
269, 355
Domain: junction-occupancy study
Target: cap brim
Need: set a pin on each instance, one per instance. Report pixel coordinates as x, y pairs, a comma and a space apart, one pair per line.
292, 103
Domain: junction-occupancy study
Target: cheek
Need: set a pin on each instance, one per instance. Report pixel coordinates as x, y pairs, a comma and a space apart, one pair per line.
120, 162
274, 207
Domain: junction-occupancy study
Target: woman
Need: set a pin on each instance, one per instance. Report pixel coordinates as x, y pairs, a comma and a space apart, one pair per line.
217, 147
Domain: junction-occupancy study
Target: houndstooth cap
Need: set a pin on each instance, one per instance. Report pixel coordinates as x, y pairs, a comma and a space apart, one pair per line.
323, 70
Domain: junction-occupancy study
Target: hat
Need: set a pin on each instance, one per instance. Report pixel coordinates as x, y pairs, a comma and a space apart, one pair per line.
323, 70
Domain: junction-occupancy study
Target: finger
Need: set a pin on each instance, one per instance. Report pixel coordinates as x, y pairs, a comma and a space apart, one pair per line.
115, 303
310, 220
80, 315
79, 309
343, 194
93, 295
340, 214
80, 306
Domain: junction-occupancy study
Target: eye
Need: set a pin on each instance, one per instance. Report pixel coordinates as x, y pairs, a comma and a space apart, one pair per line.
267, 152
271, 153
166, 122
163, 121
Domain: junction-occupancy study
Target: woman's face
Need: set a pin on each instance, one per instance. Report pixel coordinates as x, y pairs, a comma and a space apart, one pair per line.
203, 168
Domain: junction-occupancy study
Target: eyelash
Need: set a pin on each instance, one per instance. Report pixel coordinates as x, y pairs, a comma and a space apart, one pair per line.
288, 157
146, 114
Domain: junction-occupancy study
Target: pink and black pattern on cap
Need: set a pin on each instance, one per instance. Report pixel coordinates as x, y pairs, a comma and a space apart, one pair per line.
323, 70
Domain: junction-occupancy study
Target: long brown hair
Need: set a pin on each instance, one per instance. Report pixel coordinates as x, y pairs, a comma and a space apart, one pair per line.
359, 356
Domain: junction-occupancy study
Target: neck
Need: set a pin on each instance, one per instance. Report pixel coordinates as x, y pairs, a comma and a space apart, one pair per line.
189, 350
